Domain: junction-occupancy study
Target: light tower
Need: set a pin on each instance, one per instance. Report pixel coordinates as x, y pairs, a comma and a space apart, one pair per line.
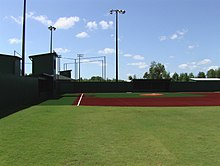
117, 11
51, 28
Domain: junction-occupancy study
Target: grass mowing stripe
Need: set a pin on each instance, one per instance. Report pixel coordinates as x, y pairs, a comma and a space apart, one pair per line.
64, 100
56, 135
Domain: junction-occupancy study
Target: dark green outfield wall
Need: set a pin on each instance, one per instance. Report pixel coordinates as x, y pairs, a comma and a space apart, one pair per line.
79, 87
203, 86
17, 92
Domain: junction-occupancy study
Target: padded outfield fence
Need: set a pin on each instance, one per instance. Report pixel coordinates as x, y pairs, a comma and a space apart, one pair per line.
144, 86
18, 92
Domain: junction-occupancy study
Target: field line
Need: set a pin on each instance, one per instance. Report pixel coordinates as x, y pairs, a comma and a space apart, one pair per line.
80, 99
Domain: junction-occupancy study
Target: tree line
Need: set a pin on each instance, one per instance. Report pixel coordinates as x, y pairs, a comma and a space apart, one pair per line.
158, 71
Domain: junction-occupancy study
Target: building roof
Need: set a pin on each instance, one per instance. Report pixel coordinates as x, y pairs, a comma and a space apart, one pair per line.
10, 56
205, 79
60, 77
39, 55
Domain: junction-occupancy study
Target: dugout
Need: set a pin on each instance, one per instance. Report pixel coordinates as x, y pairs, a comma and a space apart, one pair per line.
10, 65
151, 85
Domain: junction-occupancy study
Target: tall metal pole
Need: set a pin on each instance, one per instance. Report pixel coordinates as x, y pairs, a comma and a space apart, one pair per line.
75, 69
116, 36
51, 28
102, 70
23, 39
116, 46
105, 67
79, 56
51, 41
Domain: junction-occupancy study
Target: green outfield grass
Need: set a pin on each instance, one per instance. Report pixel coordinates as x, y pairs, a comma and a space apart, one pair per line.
140, 95
62, 134
66, 99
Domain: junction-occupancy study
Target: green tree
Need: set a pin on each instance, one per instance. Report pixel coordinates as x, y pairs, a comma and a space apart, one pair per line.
175, 77
191, 75
211, 73
166, 75
201, 75
156, 70
130, 78
96, 78
146, 75
184, 77
217, 73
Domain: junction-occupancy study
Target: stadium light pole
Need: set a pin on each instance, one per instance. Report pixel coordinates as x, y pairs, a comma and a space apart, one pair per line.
117, 11
79, 56
51, 28
23, 39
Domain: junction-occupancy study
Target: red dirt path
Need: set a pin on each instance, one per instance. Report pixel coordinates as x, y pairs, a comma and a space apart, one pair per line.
209, 99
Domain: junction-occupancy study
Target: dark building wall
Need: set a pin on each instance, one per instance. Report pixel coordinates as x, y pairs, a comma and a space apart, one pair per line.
66, 73
45, 63
9, 65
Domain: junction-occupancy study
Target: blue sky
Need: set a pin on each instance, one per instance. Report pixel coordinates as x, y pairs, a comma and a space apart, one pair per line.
184, 35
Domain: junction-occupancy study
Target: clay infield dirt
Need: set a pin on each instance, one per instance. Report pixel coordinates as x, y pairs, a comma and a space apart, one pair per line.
153, 99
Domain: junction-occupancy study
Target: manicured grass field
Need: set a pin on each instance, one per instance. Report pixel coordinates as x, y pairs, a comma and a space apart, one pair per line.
49, 134
142, 95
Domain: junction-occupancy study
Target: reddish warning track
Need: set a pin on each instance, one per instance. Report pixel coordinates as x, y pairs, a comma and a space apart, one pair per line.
208, 99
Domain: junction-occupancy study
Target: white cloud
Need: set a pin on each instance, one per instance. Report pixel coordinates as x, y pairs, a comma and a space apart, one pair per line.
82, 35
136, 57
213, 67
92, 25
183, 66
18, 20
105, 24
178, 34
107, 51
14, 41
66, 22
61, 50
163, 38
60, 23
194, 65
41, 18
204, 62
193, 46
175, 36
128, 55
140, 65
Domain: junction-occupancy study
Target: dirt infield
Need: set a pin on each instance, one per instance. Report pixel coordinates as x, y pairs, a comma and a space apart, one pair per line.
207, 99
151, 94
